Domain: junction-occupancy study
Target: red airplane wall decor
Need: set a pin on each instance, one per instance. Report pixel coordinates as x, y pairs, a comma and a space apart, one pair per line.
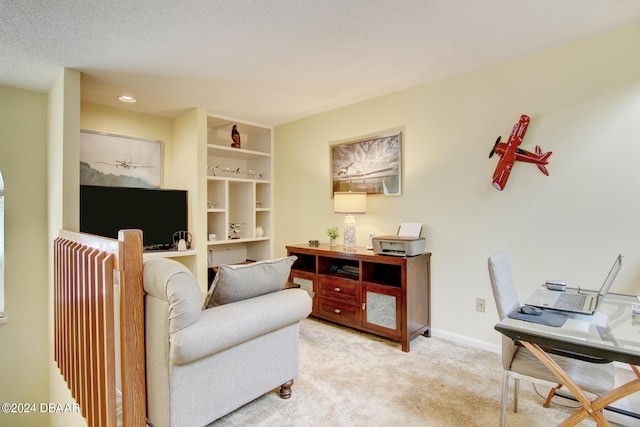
510, 152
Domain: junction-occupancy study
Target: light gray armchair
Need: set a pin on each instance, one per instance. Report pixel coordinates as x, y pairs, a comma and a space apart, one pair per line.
205, 363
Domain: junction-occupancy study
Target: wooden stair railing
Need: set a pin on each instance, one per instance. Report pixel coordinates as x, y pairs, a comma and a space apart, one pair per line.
87, 269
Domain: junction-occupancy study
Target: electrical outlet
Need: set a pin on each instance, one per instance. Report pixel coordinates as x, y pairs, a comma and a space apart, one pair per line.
480, 303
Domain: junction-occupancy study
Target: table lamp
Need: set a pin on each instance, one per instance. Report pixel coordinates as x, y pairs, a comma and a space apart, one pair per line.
350, 203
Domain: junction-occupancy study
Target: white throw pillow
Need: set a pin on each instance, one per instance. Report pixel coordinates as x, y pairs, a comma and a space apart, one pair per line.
242, 281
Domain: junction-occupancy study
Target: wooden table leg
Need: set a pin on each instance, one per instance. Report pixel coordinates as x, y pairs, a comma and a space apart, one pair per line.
588, 408
605, 400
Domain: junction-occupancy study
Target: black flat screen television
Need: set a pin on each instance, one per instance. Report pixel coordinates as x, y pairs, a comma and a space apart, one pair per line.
158, 213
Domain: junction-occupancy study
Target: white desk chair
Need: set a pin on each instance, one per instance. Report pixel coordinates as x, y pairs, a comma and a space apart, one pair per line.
520, 363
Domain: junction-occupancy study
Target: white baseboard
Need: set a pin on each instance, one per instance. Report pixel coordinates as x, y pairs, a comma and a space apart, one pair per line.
471, 342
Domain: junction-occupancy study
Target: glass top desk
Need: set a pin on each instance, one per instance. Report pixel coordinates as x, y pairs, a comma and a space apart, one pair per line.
611, 334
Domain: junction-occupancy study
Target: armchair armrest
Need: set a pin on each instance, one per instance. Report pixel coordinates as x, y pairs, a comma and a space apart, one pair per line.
227, 325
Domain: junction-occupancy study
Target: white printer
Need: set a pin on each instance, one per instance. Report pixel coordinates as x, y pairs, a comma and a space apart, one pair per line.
406, 243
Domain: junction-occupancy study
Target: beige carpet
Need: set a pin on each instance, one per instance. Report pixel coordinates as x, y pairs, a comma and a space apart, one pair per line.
353, 379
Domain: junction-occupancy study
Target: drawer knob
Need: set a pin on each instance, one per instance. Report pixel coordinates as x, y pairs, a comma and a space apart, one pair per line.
337, 289
337, 311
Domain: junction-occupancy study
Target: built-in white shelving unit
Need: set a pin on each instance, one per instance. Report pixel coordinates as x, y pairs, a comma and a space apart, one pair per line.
239, 193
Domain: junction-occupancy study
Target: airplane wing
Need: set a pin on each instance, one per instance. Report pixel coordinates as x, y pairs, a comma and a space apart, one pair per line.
502, 172
125, 164
509, 154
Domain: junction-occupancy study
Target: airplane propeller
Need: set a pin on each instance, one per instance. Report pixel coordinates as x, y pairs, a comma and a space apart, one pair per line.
493, 150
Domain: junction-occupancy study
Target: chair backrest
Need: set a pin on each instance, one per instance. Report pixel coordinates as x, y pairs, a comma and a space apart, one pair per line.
506, 297
502, 284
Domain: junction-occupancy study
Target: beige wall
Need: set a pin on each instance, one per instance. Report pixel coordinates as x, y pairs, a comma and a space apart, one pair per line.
187, 160
63, 209
584, 103
24, 338
121, 122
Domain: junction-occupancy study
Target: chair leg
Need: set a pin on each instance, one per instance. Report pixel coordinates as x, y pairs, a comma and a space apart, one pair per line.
505, 396
516, 392
552, 393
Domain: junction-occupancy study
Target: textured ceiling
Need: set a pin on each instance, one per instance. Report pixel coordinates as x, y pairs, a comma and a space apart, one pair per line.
274, 61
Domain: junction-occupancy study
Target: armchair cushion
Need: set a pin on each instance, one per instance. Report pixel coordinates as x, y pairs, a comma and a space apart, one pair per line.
239, 282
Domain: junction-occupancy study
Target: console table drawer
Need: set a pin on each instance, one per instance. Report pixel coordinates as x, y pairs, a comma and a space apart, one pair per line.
342, 313
340, 289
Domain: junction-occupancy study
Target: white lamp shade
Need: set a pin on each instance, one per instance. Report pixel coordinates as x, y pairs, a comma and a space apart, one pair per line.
350, 202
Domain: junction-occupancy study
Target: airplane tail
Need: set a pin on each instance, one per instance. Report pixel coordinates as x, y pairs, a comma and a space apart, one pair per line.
543, 160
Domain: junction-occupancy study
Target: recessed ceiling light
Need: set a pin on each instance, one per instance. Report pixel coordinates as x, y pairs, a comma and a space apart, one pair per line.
127, 98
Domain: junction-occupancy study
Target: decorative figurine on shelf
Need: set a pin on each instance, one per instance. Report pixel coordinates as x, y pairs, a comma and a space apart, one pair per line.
255, 175
235, 228
235, 136
181, 240
333, 234
259, 231
510, 152
228, 169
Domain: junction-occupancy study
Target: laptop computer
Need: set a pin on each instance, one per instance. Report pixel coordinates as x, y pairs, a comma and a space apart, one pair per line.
572, 300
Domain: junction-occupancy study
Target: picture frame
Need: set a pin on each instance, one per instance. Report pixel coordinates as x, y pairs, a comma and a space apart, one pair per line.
372, 164
120, 161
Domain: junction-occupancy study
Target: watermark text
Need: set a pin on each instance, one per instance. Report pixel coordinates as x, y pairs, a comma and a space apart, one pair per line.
31, 408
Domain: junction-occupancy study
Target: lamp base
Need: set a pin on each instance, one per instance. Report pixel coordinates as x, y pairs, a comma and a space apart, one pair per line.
349, 232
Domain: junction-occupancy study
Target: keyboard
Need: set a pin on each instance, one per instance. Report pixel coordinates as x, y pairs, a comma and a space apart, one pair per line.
570, 301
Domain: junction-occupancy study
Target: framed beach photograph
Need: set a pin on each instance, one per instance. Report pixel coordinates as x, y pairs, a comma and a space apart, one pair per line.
372, 165
119, 161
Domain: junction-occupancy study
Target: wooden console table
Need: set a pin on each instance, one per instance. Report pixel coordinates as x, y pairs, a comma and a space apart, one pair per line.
385, 295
